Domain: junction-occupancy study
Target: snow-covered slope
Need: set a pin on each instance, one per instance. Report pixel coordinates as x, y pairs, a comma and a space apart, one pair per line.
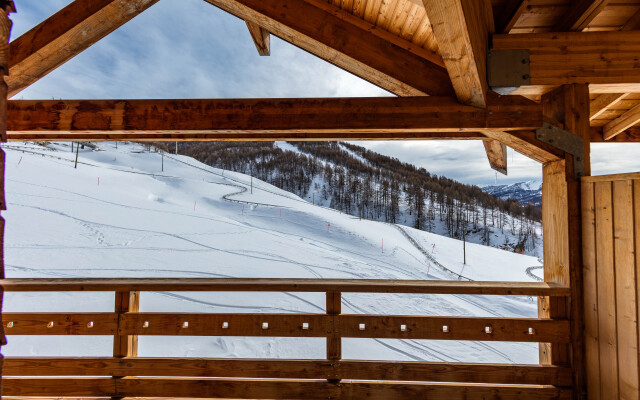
523, 192
119, 215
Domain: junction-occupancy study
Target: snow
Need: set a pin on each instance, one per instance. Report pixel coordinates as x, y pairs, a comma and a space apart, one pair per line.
119, 215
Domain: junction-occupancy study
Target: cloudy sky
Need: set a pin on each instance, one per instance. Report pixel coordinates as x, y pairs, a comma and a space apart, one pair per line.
191, 49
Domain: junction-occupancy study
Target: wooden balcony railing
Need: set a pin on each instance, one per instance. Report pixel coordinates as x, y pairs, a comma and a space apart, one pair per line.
125, 375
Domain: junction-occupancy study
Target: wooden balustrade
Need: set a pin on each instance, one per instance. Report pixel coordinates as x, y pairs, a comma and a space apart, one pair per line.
276, 378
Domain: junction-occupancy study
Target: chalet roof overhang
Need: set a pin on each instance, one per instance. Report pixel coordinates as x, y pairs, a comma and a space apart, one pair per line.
411, 48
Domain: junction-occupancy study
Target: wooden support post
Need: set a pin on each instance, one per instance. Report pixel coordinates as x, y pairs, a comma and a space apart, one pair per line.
5, 30
125, 345
562, 230
334, 341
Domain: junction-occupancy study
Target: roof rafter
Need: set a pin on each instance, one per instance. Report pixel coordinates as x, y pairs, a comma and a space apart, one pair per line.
604, 101
64, 35
581, 14
623, 122
348, 42
462, 29
261, 38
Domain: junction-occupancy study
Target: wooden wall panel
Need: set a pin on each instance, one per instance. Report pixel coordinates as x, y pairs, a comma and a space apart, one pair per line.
611, 247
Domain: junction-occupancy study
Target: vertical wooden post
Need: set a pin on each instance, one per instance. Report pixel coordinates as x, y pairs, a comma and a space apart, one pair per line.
334, 341
125, 345
6, 7
562, 230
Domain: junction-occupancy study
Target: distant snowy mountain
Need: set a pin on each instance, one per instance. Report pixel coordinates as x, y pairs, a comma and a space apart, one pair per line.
523, 192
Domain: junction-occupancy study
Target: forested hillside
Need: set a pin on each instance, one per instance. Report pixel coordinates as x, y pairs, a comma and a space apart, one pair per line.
366, 184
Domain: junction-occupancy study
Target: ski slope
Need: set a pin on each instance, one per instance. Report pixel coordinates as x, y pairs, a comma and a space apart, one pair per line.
119, 215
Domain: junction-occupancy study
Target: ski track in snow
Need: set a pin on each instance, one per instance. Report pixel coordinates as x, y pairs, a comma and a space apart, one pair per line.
376, 267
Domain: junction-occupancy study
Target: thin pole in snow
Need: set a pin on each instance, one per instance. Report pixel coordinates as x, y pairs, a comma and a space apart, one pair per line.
77, 147
176, 148
72, 147
162, 161
116, 145
21, 161
464, 245
328, 227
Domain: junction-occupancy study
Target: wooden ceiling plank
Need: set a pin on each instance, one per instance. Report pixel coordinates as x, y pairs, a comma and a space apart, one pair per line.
353, 44
604, 101
619, 125
64, 35
581, 14
261, 38
461, 29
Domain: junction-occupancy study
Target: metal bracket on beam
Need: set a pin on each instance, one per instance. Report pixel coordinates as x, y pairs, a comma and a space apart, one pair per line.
565, 141
507, 70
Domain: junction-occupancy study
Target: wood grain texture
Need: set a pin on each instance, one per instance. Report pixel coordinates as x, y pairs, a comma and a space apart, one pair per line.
626, 287
625, 121
60, 323
384, 114
592, 354
458, 328
289, 369
261, 38
270, 389
64, 35
601, 103
497, 155
581, 14
283, 285
607, 61
606, 291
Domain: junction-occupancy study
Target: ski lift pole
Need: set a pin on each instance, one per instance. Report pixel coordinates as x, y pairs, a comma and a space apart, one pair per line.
77, 148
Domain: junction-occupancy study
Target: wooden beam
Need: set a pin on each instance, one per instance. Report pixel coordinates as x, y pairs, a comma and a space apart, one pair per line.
5, 32
561, 215
511, 13
623, 122
462, 28
604, 101
186, 136
289, 369
282, 285
338, 115
525, 143
631, 135
261, 38
348, 42
269, 389
607, 61
497, 155
633, 23
580, 15
64, 35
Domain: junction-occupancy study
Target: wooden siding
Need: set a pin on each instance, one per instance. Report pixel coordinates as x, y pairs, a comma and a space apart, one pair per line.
611, 245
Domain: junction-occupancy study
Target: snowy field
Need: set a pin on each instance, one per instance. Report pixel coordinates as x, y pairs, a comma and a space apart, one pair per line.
119, 215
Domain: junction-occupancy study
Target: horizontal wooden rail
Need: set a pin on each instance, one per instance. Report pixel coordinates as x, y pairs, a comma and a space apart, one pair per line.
289, 369
283, 285
119, 376
270, 389
289, 325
